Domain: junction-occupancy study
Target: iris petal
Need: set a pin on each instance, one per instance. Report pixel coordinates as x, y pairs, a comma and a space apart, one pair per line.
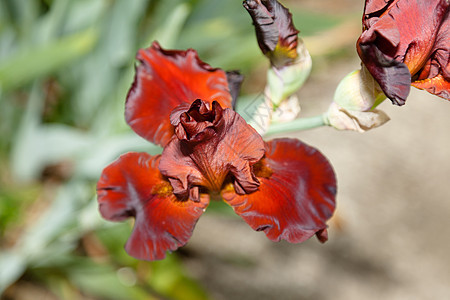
296, 196
438, 86
401, 36
435, 75
209, 145
132, 186
165, 79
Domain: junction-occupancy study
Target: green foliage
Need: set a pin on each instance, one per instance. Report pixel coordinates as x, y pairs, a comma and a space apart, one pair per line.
13, 203
310, 23
24, 66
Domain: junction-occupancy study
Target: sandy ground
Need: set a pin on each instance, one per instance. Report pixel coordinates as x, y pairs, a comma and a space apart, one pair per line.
390, 238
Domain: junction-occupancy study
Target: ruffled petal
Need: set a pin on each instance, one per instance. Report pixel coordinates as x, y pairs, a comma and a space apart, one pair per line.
399, 38
376, 7
435, 75
132, 186
438, 86
210, 145
165, 79
275, 31
296, 196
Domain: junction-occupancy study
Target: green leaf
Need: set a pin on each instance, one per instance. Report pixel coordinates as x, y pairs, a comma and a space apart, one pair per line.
310, 23
105, 282
45, 145
95, 80
168, 32
56, 230
13, 199
168, 278
12, 266
29, 64
104, 151
93, 279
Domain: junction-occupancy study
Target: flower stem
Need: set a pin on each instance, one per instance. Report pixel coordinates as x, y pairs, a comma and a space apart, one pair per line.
297, 124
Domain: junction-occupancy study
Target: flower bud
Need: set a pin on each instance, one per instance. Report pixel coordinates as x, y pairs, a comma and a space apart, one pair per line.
354, 104
275, 30
285, 81
278, 40
358, 91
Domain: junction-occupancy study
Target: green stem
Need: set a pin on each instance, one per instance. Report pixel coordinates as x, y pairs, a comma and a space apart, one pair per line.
297, 124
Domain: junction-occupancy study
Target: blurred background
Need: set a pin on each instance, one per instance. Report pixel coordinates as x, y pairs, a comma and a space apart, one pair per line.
65, 69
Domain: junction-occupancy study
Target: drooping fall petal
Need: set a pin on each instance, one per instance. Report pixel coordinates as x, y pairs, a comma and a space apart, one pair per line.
165, 79
296, 196
275, 31
437, 85
209, 145
401, 40
132, 186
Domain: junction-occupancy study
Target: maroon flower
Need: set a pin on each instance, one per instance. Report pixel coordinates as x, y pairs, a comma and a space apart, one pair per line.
407, 42
284, 188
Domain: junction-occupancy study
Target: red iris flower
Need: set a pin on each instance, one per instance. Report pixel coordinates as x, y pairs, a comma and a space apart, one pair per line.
283, 187
407, 42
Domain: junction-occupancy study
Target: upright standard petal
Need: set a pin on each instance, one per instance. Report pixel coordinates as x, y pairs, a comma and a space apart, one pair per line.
296, 196
132, 186
275, 31
401, 40
211, 145
165, 79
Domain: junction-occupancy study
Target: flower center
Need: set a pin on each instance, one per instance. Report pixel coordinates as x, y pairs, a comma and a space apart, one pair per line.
209, 145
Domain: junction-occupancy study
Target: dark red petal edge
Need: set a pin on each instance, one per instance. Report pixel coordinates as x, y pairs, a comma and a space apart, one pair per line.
376, 7
438, 86
165, 79
132, 186
274, 28
296, 196
234, 79
392, 76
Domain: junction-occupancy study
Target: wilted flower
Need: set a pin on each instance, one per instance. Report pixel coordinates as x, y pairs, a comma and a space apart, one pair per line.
404, 42
282, 187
